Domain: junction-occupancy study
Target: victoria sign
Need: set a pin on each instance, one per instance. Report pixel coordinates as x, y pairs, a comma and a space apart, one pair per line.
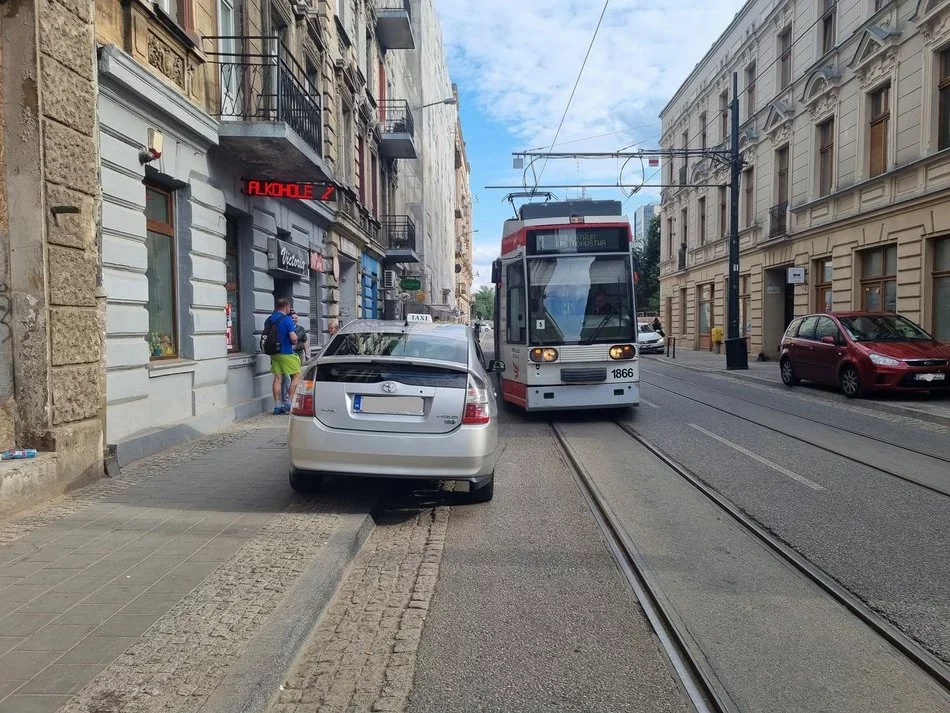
290, 189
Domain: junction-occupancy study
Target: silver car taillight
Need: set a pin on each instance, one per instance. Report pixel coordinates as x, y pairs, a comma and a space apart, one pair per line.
303, 399
476, 403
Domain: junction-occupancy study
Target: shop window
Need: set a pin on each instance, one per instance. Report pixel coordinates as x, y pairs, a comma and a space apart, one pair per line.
879, 279
941, 288
682, 310
160, 272
943, 99
824, 298
232, 269
705, 309
745, 300
877, 134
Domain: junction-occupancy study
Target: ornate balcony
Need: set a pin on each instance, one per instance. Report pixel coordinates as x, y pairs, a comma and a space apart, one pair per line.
398, 129
271, 116
394, 25
778, 220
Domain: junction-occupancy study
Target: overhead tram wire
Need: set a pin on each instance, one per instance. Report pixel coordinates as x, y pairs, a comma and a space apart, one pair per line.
600, 136
570, 99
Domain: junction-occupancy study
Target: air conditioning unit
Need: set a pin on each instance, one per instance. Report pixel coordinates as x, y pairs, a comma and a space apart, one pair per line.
389, 279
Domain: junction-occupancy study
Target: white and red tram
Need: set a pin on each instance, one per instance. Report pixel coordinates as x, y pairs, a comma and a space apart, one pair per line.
565, 310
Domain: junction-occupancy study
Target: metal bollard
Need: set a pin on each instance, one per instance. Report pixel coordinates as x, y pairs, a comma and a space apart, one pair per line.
671, 343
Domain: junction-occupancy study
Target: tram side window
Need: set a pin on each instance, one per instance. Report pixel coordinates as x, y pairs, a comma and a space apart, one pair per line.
517, 309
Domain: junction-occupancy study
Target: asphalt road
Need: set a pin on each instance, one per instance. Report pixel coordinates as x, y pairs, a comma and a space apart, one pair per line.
530, 612
883, 538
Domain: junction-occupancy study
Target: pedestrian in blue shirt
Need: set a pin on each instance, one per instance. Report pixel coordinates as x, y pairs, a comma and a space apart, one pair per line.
285, 361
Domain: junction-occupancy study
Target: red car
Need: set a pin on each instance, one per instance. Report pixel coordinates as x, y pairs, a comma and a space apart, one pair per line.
863, 352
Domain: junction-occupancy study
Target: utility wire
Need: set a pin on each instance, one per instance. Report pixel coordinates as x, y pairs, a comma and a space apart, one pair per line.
577, 81
597, 136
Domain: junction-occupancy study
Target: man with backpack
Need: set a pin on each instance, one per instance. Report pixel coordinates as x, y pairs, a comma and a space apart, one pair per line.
278, 341
302, 350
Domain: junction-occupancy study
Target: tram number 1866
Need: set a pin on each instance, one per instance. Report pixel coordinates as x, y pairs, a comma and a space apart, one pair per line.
622, 373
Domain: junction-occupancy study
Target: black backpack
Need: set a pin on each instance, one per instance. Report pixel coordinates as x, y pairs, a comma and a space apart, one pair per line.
270, 338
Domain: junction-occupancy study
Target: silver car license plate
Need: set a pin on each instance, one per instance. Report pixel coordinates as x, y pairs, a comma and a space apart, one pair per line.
930, 377
390, 405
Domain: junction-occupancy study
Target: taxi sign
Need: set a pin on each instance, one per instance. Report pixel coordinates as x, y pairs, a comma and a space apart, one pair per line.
418, 317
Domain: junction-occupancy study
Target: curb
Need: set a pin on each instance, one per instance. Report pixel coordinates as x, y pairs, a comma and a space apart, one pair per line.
254, 681
870, 405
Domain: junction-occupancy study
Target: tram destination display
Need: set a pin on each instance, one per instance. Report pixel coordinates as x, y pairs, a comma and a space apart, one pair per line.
578, 240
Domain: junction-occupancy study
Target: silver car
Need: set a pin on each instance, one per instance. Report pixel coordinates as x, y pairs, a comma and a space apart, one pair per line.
398, 399
649, 340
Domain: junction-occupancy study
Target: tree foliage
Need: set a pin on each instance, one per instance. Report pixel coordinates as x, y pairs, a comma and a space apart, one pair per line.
648, 255
484, 306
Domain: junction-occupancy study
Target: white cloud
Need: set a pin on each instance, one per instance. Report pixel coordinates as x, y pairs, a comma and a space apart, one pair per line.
521, 57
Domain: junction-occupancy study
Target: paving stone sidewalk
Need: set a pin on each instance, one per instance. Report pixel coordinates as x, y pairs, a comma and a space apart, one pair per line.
138, 592
361, 658
919, 406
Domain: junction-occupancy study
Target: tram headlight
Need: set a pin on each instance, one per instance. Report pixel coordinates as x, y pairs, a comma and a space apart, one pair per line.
623, 351
539, 354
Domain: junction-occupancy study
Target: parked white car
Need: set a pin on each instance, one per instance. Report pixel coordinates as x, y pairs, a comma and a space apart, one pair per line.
648, 340
397, 399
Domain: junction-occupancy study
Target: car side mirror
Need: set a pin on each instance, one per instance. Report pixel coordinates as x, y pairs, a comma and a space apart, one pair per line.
829, 340
496, 366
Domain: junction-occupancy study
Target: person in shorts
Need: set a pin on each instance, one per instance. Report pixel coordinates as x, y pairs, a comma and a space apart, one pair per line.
286, 362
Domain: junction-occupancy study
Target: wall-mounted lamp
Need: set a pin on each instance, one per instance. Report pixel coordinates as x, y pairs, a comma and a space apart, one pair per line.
153, 150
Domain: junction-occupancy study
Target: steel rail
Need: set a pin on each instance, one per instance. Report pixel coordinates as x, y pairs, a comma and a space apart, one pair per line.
700, 683
926, 661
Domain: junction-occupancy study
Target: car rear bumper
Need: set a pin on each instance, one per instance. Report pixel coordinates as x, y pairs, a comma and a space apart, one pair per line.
467, 453
582, 396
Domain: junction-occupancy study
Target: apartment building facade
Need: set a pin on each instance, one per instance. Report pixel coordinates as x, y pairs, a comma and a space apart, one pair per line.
51, 306
844, 131
224, 125
464, 270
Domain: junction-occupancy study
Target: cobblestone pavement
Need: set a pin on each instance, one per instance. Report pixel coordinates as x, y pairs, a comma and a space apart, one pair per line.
137, 593
362, 655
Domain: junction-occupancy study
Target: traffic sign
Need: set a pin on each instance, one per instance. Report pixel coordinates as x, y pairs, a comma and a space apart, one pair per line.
410, 284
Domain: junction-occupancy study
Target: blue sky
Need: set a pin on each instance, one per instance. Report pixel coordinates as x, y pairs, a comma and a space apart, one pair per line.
515, 62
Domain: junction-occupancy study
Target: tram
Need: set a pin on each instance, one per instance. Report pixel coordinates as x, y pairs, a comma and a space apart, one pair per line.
565, 310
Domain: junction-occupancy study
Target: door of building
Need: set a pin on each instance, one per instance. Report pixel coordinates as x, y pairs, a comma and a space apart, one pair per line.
705, 315
369, 287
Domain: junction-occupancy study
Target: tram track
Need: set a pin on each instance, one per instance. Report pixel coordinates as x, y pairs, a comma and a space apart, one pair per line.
699, 679
837, 427
940, 461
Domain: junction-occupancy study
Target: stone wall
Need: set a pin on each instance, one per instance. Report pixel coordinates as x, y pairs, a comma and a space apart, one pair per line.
50, 250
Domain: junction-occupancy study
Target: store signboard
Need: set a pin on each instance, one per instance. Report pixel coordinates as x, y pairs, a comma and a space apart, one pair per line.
796, 276
287, 258
317, 263
304, 191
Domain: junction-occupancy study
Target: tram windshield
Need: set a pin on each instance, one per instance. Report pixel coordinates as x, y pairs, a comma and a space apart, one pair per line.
580, 300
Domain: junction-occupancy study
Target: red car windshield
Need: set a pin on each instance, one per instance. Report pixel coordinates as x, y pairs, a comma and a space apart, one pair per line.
883, 328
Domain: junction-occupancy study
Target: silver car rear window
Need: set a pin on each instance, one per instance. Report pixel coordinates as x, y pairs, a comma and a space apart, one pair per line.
409, 374
419, 345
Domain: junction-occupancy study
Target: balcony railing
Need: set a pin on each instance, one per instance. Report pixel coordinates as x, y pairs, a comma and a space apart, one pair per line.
262, 82
400, 232
778, 218
396, 117
394, 24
